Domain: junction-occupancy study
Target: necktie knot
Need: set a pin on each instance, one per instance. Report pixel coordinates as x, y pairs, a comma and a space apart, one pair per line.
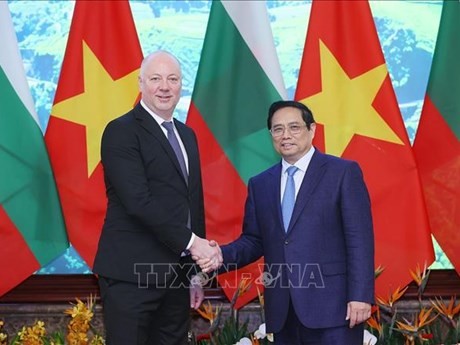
291, 170
168, 125
176, 147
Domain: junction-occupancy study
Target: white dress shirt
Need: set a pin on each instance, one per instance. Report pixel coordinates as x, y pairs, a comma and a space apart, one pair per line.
302, 164
160, 120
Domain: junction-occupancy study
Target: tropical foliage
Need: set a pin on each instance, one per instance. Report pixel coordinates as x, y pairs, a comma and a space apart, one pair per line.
431, 322
230, 330
434, 322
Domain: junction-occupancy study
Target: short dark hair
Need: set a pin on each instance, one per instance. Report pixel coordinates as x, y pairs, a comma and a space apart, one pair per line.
307, 115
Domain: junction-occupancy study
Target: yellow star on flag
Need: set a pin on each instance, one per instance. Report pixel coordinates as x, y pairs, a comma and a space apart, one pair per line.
103, 100
344, 106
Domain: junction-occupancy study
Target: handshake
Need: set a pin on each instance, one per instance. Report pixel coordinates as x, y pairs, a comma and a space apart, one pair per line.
207, 254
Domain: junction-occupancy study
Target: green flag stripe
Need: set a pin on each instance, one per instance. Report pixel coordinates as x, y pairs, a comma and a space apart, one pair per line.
27, 190
233, 93
444, 85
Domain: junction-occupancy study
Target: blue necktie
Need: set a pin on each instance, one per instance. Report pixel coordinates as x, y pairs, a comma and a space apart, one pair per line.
176, 147
287, 204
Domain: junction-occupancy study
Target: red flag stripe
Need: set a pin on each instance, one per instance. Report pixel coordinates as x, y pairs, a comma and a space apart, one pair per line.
224, 203
437, 149
16, 251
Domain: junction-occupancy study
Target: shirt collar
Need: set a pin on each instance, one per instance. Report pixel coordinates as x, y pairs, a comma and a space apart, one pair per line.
157, 118
302, 163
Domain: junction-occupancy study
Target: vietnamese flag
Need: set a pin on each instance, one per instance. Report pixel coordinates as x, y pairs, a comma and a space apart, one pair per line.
437, 145
344, 80
98, 83
238, 78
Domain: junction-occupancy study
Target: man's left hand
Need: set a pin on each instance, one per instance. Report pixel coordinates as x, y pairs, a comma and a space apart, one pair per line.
358, 312
196, 293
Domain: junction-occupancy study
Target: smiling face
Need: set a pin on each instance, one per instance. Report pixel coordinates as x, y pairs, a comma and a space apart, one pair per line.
292, 146
160, 82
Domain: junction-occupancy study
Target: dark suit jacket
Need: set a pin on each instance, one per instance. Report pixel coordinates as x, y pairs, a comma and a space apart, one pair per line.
149, 201
326, 258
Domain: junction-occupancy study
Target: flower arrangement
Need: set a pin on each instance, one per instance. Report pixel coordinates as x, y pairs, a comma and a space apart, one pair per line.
231, 331
3, 336
80, 324
78, 329
435, 322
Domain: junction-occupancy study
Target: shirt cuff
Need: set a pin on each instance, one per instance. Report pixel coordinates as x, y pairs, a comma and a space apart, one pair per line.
186, 251
191, 241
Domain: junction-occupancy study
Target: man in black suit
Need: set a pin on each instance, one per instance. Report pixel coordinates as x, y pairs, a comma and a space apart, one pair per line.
155, 215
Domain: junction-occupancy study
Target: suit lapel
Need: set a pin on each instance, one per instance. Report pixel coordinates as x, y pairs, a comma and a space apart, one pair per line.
310, 181
275, 192
149, 123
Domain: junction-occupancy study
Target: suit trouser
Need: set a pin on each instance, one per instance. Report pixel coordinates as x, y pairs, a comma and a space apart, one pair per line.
295, 333
144, 316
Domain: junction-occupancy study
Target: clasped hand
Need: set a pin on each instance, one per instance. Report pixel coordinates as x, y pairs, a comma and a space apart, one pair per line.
207, 254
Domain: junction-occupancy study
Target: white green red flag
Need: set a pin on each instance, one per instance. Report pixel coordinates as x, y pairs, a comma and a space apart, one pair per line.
238, 78
437, 143
32, 230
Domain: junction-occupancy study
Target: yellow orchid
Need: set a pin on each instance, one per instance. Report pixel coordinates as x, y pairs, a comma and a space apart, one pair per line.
32, 335
77, 329
3, 336
81, 310
79, 326
97, 340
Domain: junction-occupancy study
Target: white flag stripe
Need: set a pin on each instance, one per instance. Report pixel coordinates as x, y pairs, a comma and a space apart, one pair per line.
11, 60
247, 15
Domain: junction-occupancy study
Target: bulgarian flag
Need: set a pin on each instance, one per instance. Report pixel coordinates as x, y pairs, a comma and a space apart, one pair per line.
238, 78
344, 80
437, 144
32, 231
98, 83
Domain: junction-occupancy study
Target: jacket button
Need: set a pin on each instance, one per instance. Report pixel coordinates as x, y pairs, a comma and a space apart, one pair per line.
286, 242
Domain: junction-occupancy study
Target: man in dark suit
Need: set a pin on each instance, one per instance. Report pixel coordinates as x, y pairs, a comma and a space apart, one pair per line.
155, 215
310, 217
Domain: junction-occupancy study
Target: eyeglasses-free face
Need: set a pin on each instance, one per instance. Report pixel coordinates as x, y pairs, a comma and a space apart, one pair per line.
291, 137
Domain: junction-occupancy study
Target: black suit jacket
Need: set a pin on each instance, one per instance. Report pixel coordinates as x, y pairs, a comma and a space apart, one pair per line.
145, 229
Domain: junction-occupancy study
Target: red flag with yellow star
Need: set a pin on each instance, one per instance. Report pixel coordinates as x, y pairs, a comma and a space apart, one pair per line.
98, 82
344, 80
